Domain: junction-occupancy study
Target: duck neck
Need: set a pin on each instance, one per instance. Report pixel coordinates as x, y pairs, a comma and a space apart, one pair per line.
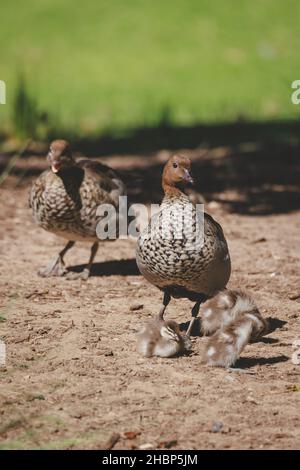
173, 192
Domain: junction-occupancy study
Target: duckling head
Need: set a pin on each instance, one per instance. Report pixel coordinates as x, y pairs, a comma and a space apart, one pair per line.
176, 173
60, 156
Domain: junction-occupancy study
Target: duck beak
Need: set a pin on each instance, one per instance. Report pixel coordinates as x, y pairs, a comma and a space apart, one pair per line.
187, 177
55, 166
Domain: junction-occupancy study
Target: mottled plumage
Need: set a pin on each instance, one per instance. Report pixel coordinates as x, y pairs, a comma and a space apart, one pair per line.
162, 338
171, 256
65, 201
233, 320
183, 252
66, 204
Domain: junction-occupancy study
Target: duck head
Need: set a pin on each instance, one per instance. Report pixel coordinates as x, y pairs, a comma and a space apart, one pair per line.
176, 173
60, 156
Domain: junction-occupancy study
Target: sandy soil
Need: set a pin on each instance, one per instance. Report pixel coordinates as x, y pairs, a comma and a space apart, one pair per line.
73, 377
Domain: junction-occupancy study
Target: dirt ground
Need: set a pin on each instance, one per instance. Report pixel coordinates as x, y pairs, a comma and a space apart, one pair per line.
73, 377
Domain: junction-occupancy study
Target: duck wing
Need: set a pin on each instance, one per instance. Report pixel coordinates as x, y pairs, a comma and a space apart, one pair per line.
36, 191
108, 184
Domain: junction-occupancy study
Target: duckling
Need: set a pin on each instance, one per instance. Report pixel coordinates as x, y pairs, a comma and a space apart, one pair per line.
64, 200
171, 255
162, 338
234, 320
225, 307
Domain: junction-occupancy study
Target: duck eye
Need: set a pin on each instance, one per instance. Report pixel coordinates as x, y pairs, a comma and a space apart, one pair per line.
175, 165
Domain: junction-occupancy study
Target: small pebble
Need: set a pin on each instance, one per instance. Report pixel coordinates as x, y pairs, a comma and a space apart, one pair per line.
146, 446
216, 426
135, 307
109, 353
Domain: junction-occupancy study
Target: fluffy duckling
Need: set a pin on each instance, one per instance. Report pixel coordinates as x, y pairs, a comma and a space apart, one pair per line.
234, 320
171, 255
162, 338
65, 198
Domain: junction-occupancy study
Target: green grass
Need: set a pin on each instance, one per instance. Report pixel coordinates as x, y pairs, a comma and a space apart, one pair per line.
60, 444
115, 64
27, 435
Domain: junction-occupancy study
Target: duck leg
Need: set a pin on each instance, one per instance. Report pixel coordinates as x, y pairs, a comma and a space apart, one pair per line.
56, 267
87, 270
195, 311
166, 301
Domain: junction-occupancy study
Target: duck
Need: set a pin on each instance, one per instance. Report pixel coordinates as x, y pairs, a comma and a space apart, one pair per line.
233, 320
162, 338
64, 200
183, 252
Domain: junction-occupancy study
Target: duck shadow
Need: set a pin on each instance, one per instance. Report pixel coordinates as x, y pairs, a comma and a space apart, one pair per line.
248, 362
266, 340
196, 328
274, 324
123, 267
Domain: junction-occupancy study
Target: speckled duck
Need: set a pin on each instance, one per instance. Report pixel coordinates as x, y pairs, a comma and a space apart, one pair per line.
183, 265
65, 198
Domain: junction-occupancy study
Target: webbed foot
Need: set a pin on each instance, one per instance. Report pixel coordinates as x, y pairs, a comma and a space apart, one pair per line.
56, 267
83, 275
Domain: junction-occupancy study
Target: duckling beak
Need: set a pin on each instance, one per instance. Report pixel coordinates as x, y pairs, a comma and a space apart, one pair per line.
187, 177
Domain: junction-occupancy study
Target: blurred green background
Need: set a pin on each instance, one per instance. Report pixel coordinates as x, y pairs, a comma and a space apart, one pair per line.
98, 66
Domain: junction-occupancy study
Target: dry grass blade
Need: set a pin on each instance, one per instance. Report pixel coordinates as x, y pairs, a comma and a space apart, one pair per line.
13, 161
112, 441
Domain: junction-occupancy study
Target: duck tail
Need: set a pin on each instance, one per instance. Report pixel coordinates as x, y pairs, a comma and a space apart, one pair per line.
234, 320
